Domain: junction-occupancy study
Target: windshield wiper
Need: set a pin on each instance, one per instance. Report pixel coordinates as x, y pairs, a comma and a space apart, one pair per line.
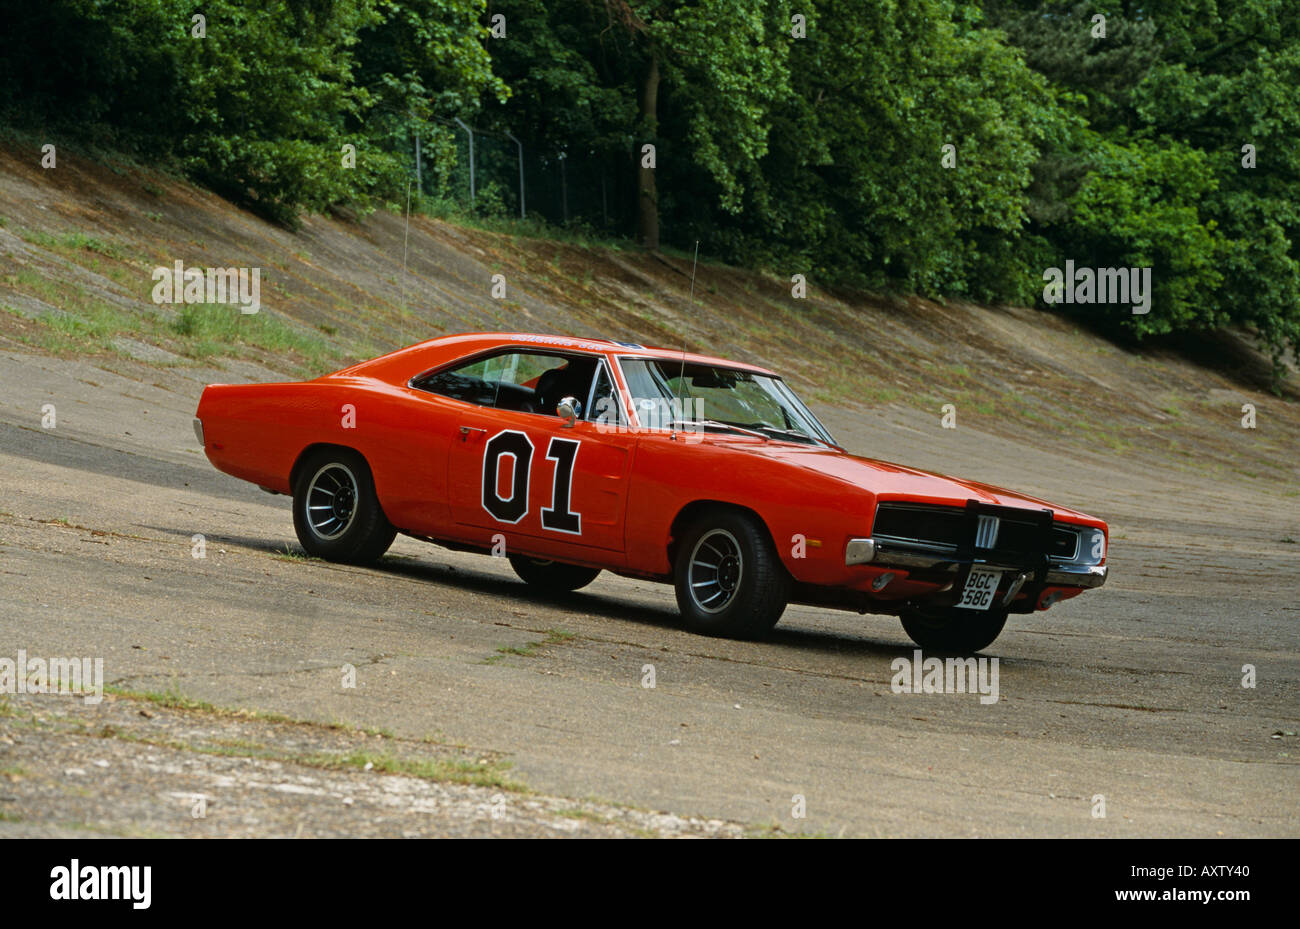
793, 433
715, 424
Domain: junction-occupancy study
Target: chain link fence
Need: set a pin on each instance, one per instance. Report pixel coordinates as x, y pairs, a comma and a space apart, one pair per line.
492, 174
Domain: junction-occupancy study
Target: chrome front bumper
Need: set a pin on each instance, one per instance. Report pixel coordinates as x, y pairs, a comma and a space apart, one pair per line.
866, 551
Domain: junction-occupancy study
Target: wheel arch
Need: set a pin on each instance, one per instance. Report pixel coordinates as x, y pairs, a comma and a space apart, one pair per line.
696, 508
315, 447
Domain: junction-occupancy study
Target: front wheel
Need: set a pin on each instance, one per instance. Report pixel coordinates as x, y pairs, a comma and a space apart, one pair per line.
336, 511
728, 576
952, 630
552, 575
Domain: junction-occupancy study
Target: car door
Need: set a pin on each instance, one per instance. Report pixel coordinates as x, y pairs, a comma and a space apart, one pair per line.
529, 473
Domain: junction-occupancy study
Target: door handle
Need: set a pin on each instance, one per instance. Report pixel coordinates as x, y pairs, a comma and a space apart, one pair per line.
466, 430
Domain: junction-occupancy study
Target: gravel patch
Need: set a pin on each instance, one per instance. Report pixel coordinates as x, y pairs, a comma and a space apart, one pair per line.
130, 767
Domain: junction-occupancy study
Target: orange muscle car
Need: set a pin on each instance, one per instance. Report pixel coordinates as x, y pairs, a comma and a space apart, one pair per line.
575, 456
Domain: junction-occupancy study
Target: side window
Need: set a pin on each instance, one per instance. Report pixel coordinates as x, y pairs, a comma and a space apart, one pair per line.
605, 406
519, 381
467, 383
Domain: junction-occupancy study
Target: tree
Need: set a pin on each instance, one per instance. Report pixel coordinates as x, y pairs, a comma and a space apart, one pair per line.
1180, 153
418, 62
716, 67
860, 185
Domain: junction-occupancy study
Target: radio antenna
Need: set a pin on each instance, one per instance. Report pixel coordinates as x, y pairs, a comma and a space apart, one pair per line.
406, 240
681, 377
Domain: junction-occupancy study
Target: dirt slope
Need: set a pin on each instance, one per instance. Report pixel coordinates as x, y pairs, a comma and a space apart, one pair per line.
78, 245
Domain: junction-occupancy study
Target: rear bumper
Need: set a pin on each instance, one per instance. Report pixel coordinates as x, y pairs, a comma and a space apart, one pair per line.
868, 552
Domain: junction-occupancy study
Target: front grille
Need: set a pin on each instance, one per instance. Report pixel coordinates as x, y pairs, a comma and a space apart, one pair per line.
940, 528
1021, 538
949, 530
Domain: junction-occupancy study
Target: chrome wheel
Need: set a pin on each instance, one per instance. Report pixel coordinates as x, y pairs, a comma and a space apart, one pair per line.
716, 569
331, 501
727, 575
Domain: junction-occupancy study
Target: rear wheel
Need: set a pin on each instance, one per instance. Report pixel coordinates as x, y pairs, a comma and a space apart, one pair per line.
952, 630
552, 575
335, 509
728, 577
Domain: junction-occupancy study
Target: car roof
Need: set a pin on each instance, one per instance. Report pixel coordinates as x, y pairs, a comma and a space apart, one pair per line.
444, 349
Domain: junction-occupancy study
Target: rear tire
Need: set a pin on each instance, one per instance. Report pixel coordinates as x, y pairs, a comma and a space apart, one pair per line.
952, 630
729, 579
336, 511
552, 575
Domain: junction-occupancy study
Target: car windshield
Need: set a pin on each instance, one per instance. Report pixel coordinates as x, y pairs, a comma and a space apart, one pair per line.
665, 392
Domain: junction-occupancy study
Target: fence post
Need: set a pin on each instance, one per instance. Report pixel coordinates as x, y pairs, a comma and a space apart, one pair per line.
470, 131
523, 214
419, 180
564, 186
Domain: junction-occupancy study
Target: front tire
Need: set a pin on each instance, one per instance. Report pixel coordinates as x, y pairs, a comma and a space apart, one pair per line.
552, 576
336, 511
728, 577
952, 630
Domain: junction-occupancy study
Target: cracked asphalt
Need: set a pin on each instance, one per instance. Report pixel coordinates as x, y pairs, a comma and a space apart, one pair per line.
1133, 693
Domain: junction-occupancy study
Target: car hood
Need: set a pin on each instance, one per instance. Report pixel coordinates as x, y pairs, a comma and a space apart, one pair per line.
892, 481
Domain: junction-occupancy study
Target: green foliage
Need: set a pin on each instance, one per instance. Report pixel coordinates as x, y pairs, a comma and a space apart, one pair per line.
1140, 206
491, 200
1171, 97
260, 106
578, 72
427, 56
267, 93
857, 187
568, 74
418, 62
823, 154
725, 66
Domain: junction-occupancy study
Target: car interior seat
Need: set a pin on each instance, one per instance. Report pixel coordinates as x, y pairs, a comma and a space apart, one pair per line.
572, 380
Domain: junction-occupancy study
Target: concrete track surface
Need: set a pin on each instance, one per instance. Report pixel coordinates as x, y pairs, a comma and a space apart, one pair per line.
1132, 693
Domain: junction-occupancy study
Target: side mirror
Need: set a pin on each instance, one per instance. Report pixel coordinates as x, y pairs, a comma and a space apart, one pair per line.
569, 408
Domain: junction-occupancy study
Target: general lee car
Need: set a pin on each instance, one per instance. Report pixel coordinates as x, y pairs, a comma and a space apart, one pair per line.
576, 456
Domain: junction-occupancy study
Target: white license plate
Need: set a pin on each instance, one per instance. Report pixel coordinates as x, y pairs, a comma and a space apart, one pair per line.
981, 587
